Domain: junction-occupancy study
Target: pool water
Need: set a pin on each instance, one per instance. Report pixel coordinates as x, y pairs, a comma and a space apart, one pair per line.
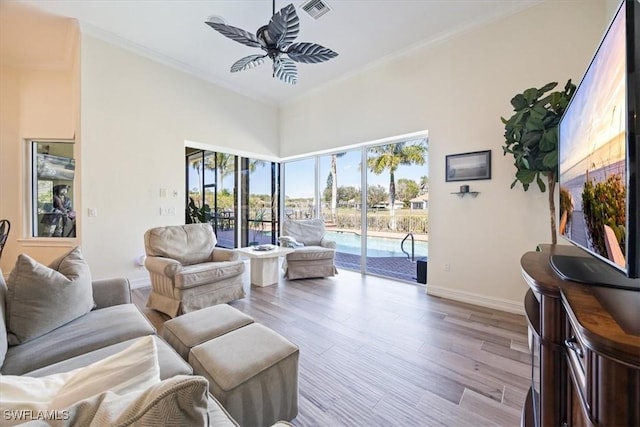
376, 246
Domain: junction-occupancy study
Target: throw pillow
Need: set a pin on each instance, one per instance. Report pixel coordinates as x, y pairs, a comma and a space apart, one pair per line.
181, 400
289, 242
41, 299
132, 370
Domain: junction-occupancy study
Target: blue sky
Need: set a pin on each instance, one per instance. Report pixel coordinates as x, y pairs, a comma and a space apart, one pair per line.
299, 175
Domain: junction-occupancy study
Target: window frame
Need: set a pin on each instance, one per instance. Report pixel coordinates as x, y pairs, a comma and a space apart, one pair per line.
31, 229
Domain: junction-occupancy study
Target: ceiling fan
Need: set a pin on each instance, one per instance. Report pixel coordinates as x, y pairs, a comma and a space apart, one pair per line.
276, 40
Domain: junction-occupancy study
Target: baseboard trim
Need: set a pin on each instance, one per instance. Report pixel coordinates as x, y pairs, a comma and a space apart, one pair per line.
476, 299
139, 282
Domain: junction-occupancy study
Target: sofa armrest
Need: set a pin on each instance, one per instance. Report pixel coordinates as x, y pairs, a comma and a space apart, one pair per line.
224, 254
326, 243
110, 292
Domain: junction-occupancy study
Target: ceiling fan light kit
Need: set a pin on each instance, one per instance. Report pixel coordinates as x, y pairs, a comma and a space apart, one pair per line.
276, 40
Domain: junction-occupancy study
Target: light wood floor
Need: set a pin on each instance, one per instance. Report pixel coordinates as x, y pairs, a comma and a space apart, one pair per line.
375, 352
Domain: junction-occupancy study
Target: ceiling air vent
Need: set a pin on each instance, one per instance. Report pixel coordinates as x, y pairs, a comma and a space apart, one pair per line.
316, 8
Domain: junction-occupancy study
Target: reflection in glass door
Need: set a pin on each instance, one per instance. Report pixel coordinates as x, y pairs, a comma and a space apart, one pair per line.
397, 206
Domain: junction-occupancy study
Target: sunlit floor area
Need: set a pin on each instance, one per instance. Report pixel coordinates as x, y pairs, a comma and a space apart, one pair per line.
377, 352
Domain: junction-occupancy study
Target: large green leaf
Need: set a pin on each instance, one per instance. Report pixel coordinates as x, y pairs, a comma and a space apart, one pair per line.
519, 102
548, 87
535, 122
540, 183
548, 142
531, 138
526, 176
530, 95
551, 159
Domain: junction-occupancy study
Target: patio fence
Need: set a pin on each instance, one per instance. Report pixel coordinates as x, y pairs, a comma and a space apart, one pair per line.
376, 222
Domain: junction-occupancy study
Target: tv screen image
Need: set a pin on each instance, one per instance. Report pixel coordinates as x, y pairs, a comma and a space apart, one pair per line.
598, 162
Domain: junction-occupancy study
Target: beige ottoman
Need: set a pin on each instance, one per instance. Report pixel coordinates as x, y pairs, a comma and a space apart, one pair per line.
252, 372
187, 331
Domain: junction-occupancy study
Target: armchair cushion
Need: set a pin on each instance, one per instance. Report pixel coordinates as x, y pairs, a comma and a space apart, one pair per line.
309, 253
187, 244
308, 232
207, 272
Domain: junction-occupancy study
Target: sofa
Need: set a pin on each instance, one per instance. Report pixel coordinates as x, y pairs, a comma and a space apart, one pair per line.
111, 327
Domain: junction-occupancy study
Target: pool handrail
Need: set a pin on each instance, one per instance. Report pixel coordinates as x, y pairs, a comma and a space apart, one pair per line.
412, 257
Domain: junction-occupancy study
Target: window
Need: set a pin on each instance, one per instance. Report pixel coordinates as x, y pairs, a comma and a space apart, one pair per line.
53, 170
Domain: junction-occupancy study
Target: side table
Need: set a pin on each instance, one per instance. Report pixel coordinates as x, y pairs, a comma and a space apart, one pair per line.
264, 264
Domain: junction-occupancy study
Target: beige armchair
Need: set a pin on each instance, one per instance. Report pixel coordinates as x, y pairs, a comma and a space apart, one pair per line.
188, 272
315, 258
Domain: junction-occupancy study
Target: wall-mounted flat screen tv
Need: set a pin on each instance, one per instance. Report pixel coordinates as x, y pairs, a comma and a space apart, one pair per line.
599, 161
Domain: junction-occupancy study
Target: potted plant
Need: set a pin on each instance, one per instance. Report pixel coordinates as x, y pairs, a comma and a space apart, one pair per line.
531, 136
197, 214
257, 226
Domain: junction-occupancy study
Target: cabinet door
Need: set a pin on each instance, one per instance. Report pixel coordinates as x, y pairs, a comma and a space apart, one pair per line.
575, 414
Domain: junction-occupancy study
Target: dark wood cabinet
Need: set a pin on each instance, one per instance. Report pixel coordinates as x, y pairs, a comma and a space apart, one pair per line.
585, 345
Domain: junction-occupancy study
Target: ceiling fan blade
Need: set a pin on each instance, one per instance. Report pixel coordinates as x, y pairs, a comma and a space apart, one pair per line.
310, 53
234, 33
285, 69
247, 63
284, 26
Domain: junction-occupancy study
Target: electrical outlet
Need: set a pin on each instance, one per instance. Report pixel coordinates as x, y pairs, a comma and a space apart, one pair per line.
446, 267
167, 211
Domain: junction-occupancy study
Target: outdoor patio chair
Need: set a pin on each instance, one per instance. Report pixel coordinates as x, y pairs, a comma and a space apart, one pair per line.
313, 255
188, 272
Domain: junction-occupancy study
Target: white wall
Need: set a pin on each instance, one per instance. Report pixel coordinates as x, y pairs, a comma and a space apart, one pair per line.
458, 89
135, 117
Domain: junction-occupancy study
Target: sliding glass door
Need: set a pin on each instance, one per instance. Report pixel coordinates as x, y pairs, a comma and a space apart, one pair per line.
211, 188
397, 207
213, 182
260, 202
384, 230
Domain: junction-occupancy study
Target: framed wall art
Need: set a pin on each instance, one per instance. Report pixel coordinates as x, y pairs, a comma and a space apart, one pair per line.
468, 166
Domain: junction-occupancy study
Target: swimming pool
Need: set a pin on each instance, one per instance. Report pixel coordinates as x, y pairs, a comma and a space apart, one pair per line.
376, 246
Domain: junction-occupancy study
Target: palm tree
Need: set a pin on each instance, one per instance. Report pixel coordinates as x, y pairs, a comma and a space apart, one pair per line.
334, 184
225, 163
424, 184
390, 157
